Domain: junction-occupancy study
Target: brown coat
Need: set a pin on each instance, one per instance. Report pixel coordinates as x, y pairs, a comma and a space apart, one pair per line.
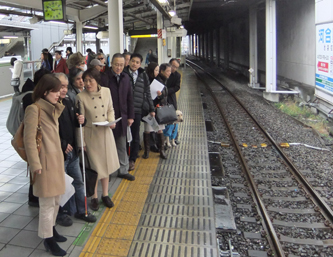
99, 140
51, 182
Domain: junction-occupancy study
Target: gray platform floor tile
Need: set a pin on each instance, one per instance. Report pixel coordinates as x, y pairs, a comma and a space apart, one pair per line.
16, 221
26, 210
6, 234
17, 198
15, 251
9, 207
26, 238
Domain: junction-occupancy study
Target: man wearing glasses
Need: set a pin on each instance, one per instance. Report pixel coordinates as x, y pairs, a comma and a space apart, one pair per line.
122, 98
173, 85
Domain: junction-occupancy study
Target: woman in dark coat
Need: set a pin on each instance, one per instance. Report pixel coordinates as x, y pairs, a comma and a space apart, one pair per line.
45, 62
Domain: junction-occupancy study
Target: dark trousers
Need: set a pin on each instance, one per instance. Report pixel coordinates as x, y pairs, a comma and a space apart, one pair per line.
135, 144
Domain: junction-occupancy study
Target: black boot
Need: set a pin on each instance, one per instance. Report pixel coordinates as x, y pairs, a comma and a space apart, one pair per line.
52, 246
57, 237
146, 142
153, 142
161, 145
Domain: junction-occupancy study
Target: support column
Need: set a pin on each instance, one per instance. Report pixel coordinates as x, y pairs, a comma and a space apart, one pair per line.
202, 55
193, 44
253, 72
159, 40
226, 45
211, 46
218, 47
79, 28
197, 45
271, 51
98, 44
207, 45
115, 18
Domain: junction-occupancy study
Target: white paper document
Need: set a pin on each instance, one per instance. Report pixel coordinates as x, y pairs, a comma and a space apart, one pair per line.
69, 191
106, 123
154, 87
152, 122
129, 135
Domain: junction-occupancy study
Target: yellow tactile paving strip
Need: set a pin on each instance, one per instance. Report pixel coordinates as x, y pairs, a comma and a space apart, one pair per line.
114, 233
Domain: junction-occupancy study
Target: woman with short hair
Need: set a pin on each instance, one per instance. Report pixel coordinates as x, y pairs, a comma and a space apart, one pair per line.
76, 84
95, 104
46, 166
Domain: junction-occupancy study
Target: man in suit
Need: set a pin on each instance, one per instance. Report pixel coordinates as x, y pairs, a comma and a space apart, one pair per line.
122, 98
60, 64
173, 85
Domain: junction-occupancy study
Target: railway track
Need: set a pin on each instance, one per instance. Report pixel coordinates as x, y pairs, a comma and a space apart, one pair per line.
296, 218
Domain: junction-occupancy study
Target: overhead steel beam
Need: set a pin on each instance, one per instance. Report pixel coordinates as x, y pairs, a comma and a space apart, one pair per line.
138, 17
161, 9
189, 10
91, 13
125, 13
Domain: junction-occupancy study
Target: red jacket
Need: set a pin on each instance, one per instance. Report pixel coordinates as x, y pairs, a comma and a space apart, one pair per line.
61, 67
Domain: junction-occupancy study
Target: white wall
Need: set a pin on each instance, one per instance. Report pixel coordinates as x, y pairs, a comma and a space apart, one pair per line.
44, 37
296, 40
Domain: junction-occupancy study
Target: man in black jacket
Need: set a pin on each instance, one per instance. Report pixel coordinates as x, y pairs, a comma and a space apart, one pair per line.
68, 122
173, 85
141, 92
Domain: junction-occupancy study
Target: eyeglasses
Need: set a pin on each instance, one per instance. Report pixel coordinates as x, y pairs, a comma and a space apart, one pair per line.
100, 58
118, 65
175, 67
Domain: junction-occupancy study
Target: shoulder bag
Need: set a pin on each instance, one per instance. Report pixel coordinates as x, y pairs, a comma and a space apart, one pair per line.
18, 140
166, 114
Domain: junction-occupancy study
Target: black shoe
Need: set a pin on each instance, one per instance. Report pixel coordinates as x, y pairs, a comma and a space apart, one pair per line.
94, 204
82, 216
52, 246
33, 204
127, 176
57, 237
131, 165
107, 201
64, 220
177, 142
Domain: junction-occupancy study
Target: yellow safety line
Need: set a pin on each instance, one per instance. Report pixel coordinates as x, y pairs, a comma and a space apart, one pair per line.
114, 233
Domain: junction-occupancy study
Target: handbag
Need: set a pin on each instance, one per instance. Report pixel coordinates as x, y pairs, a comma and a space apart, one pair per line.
166, 114
90, 175
18, 140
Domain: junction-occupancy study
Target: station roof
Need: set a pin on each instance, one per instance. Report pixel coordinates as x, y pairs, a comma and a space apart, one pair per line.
137, 14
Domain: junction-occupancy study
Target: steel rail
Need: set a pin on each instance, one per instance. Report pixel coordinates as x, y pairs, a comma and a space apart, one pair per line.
319, 201
266, 218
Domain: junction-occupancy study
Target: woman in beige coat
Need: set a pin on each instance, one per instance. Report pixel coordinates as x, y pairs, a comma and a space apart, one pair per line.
47, 166
96, 106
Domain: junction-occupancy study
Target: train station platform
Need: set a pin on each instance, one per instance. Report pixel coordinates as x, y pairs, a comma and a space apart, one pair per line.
167, 211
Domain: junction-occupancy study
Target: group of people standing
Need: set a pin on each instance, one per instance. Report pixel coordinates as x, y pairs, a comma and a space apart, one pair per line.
75, 97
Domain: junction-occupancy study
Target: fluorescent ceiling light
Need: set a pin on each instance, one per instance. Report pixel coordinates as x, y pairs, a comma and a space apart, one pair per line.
172, 13
144, 36
57, 22
10, 36
90, 27
162, 1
